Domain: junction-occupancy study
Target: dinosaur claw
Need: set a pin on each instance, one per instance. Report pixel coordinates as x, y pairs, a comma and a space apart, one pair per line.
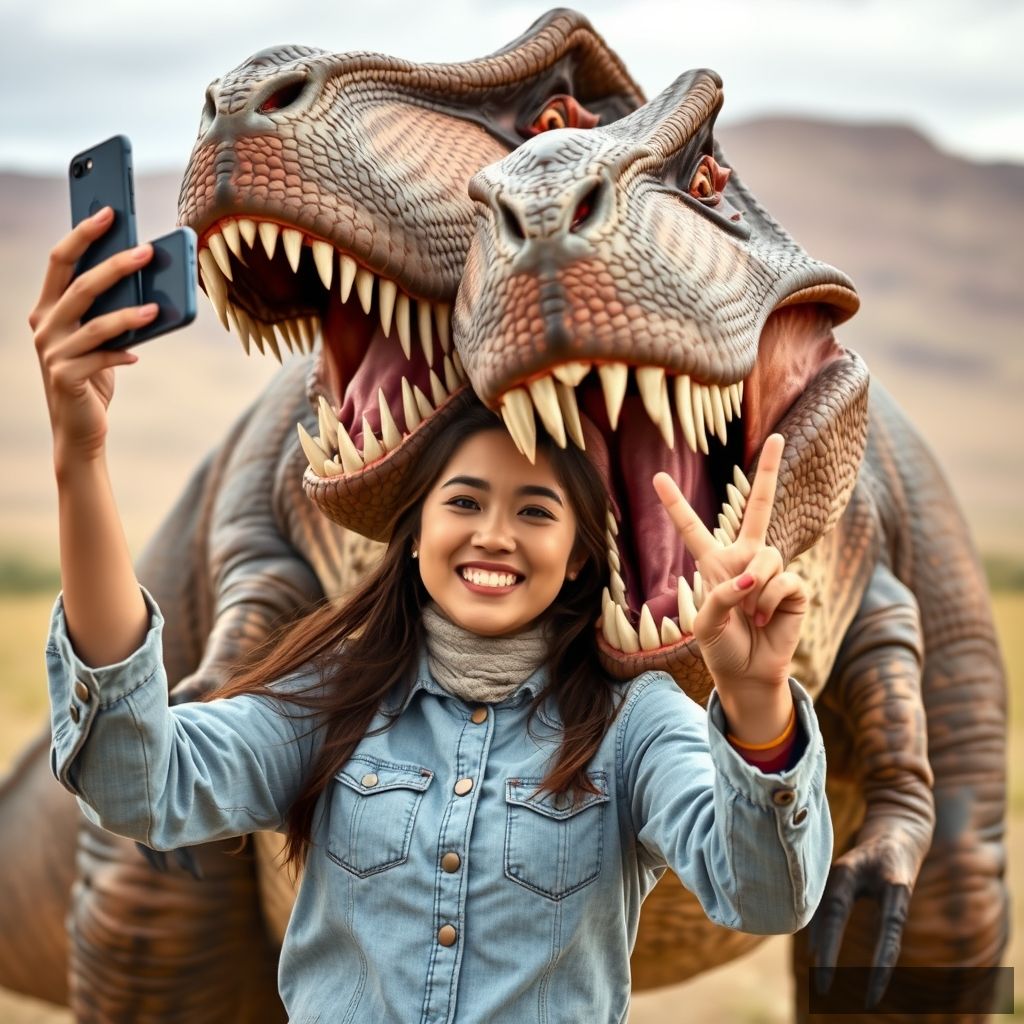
860, 875
158, 860
155, 858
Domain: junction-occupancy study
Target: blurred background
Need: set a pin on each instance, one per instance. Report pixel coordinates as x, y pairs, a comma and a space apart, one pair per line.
888, 139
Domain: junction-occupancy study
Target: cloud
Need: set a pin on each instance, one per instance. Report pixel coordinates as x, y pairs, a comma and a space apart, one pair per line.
82, 72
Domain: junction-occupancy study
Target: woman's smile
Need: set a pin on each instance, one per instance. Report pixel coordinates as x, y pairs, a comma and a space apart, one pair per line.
489, 578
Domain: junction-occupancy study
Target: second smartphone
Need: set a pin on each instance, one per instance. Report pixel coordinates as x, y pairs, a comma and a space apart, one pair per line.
169, 280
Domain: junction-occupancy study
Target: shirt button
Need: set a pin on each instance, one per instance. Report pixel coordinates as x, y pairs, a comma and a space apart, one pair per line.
81, 691
463, 786
447, 935
73, 712
783, 797
479, 716
370, 779
799, 816
451, 862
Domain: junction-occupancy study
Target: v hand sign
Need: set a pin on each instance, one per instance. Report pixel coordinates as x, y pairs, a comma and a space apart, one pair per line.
749, 622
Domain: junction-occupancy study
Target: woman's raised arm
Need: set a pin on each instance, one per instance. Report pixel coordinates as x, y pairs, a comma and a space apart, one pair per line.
106, 614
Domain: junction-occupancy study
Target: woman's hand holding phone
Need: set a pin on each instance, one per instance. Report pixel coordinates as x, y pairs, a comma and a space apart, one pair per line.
79, 381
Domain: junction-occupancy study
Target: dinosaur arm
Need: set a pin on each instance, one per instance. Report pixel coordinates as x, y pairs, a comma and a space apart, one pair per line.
877, 682
169, 777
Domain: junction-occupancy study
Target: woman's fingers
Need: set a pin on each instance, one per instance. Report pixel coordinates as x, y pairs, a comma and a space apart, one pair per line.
787, 592
72, 374
64, 257
98, 330
696, 537
82, 292
718, 605
766, 564
758, 510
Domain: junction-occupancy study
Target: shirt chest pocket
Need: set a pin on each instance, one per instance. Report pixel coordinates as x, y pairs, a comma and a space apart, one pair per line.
554, 846
373, 808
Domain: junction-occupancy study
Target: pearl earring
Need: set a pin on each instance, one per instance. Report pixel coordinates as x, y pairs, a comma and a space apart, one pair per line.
415, 553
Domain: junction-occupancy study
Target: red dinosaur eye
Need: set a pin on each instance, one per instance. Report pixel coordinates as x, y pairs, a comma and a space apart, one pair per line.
562, 111
709, 180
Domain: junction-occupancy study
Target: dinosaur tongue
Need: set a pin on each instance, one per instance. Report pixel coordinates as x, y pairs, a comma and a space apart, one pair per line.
653, 553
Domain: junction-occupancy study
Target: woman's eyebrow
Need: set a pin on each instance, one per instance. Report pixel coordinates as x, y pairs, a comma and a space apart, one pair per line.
483, 485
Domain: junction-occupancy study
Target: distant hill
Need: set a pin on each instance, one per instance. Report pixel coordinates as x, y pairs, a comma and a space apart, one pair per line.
932, 241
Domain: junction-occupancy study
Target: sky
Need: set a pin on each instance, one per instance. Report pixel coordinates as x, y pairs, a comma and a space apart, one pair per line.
74, 72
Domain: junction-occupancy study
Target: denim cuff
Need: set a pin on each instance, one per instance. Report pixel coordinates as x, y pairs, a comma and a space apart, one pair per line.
771, 791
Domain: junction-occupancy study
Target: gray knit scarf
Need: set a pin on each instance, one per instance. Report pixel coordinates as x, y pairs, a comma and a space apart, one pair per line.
484, 669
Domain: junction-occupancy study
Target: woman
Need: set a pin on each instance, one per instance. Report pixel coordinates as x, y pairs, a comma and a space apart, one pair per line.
478, 808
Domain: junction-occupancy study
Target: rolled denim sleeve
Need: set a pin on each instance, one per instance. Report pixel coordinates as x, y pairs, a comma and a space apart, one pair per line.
170, 776
753, 847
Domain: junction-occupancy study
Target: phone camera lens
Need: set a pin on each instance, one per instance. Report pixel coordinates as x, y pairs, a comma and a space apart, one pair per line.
80, 168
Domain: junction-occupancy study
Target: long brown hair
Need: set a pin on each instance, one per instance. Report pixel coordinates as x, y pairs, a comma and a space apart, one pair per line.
370, 644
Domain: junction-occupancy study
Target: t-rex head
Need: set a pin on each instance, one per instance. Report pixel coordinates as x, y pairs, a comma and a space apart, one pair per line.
352, 171
623, 275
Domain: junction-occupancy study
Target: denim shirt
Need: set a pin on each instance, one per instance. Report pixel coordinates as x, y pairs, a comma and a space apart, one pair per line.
441, 886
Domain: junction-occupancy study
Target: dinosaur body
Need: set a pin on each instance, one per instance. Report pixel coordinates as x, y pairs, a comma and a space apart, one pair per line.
329, 195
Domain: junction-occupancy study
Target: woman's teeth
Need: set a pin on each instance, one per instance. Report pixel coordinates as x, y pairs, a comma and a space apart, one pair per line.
488, 579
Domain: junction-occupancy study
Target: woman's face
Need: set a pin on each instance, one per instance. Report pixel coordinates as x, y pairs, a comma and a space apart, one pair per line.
496, 534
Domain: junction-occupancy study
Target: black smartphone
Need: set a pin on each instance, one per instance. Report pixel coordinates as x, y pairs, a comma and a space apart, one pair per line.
169, 280
102, 176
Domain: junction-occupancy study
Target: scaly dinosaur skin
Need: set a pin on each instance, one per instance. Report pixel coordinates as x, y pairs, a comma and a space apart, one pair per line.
367, 156
632, 244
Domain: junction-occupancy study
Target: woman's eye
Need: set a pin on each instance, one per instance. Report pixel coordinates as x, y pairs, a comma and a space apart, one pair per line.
536, 511
462, 502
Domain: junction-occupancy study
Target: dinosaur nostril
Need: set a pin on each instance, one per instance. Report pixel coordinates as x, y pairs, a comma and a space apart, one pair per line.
585, 208
511, 220
283, 97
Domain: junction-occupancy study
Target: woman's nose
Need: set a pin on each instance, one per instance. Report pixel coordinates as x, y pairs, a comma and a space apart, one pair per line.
495, 535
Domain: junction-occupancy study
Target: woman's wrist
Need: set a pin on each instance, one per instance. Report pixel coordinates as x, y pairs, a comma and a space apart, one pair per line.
758, 715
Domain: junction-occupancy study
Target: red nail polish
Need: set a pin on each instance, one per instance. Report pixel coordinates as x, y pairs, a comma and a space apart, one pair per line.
745, 582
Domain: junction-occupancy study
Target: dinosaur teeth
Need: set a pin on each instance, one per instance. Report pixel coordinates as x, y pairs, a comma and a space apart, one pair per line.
426, 336
649, 638
741, 481
315, 455
437, 391
570, 414
571, 374
323, 257
654, 393
214, 283
351, 460
614, 378
386, 295
364, 288
247, 229
229, 229
628, 639
390, 433
517, 412
442, 317
451, 378
372, 449
670, 633
687, 605
326, 418
409, 407
219, 248
292, 242
545, 398
268, 236
402, 323
347, 267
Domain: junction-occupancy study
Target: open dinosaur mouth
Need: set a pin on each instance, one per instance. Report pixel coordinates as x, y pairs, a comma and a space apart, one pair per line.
641, 420
383, 350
